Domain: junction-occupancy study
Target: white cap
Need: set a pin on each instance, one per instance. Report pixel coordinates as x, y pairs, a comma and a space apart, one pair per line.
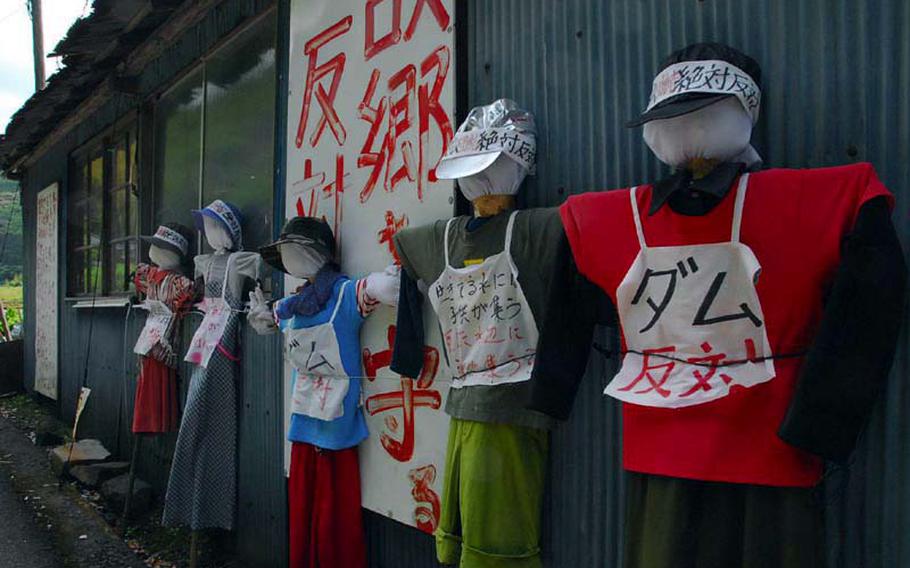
489, 132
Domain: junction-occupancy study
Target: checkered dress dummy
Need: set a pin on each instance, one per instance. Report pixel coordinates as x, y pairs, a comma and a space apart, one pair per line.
202, 487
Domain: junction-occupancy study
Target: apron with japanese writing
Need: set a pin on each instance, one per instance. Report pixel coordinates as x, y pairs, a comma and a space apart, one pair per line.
208, 336
692, 320
321, 383
487, 325
157, 325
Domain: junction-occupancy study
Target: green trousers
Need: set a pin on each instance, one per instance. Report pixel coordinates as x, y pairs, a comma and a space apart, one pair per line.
683, 523
491, 502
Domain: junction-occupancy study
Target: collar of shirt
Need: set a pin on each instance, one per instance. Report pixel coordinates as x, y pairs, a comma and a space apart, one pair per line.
716, 184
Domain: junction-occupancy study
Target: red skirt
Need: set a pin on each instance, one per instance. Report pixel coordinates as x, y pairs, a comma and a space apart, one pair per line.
326, 523
155, 410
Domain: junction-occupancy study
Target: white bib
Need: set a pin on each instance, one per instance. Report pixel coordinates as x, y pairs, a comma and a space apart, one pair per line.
211, 330
692, 321
487, 325
322, 382
157, 325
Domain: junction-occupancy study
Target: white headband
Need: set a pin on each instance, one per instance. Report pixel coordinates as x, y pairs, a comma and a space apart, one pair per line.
172, 237
518, 145
709, 76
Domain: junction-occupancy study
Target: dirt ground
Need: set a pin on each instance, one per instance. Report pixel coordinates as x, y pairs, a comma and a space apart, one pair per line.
23, 542
84, 533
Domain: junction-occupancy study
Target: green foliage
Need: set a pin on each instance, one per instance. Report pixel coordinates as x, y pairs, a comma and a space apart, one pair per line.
11, 296
11, 243
13, 316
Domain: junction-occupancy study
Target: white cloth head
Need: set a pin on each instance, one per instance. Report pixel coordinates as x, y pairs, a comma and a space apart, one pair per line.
300, 260
720, 131
229, 216
164, 258
503, 177
217, 235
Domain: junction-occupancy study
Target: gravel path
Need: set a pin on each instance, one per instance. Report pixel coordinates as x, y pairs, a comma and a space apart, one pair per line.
52, 518
22, 541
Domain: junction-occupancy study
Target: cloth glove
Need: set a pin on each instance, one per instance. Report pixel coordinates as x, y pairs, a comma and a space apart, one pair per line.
260, 316
383, 286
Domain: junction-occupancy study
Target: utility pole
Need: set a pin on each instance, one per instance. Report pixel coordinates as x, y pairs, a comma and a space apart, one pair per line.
37, 42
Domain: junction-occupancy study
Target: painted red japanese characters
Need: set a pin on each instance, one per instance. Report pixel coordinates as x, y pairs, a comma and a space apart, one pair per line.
489, 331
403, 403
398, 108
371, 98
692, 321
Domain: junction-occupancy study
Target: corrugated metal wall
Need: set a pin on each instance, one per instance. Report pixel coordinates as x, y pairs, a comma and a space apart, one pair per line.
262, 509
261, 499
836, 76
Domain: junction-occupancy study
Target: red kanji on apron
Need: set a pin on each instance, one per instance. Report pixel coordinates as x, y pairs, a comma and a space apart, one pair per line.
692, 321
211, 330
157, 325
321, 383
487, 325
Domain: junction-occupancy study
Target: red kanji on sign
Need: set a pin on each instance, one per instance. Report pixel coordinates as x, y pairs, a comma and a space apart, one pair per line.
315, 73
407, 399
392, 226
317, 188
395, 115
426, 513
373, 46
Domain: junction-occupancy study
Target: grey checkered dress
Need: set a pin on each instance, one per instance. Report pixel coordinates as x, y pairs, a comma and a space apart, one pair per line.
202, 488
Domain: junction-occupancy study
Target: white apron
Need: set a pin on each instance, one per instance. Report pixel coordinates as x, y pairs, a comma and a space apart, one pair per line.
322, 382
157, 325
692, 321
211, 330
487, 325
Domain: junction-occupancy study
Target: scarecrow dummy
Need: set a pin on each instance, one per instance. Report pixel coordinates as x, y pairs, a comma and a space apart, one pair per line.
201, 490
759, 312
166, 294
487, 277
321, 322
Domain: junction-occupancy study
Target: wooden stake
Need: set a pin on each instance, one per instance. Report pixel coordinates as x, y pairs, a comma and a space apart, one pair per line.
194, 549
132, 479
6, 331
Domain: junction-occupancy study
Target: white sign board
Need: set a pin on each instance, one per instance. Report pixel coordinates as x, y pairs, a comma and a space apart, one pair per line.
370, 112
46, 273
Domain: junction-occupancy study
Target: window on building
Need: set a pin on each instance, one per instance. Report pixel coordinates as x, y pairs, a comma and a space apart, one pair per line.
103, 217
214, 134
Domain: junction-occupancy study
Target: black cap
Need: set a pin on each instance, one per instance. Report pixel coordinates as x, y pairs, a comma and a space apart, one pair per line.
308, 231
684, 103
161, 241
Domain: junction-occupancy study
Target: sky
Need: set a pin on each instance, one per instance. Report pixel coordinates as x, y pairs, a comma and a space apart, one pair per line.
17, 78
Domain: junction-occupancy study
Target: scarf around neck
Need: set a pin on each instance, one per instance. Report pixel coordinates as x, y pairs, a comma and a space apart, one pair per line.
310, 299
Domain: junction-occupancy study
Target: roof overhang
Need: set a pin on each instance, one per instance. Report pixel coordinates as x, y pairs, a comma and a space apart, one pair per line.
103, 54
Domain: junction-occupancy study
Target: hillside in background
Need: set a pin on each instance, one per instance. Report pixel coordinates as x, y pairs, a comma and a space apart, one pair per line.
11, 251
10, 232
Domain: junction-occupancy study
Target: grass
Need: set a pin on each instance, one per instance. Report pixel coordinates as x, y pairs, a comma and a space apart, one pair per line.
11, 296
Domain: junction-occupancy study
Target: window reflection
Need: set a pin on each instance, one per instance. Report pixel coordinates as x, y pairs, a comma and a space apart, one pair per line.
233, 151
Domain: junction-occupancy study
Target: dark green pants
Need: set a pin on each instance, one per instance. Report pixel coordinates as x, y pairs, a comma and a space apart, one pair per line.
492, 496
680, 523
